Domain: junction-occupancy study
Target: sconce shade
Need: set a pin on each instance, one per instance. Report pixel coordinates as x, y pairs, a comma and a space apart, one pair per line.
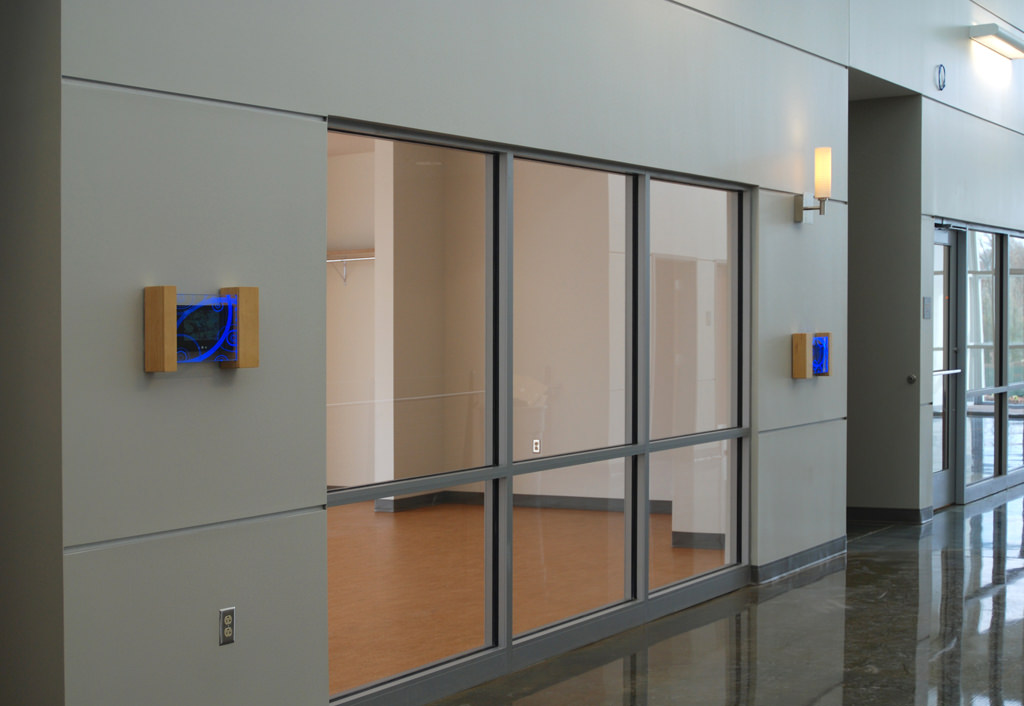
823, 173
1000, 40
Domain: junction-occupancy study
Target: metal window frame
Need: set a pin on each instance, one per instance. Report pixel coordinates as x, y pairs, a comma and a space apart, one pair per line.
1004, 477
506, 652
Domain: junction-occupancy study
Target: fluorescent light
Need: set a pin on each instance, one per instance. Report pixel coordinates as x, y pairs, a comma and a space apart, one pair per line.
1003, 41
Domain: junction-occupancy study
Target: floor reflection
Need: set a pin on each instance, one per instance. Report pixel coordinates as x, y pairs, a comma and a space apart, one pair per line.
929, 615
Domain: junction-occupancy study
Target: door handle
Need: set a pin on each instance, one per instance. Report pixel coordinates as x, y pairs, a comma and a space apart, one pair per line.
947, 372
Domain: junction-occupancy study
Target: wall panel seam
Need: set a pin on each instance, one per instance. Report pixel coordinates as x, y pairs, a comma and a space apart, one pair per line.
802, 426
774, 40
73, 549
964, 111
142, 90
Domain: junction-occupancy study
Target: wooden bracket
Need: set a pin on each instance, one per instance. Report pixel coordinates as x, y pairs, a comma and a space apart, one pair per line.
160, 306
803, 355
247, 324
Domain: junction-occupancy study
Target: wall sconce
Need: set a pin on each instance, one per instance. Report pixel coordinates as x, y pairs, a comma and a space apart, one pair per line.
822, 186
1000, 40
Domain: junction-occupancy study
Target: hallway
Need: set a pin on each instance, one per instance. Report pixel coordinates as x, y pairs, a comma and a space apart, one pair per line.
928, 614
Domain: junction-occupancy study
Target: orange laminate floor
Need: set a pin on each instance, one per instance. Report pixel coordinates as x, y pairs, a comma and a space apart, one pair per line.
407, 589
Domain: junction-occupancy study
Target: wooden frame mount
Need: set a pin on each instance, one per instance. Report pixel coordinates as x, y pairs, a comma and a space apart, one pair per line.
247, 323
161, 328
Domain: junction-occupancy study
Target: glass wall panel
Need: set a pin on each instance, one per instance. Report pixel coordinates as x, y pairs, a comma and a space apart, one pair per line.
692, 518
568, 543
569, 291
406, 583
981, 310
694, 234
1015, 354
940, 383
1015, 310
1015, 429
980, 436
407, 229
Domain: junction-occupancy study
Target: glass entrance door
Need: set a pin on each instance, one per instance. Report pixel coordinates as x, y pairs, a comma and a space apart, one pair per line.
946, 372
977, 363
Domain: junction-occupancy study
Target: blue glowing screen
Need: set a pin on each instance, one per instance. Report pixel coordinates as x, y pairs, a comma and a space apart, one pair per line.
821, 355
206, 328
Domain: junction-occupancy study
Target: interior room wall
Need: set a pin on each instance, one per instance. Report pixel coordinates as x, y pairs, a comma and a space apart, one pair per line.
465, 306
692, 384
435, 311
32, 612
617, 268
559, 215
384, 311
440, 337
350, 374
419, 310
350, 317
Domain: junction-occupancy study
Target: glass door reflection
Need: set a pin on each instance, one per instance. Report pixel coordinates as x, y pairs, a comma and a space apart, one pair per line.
984, 400
946, 372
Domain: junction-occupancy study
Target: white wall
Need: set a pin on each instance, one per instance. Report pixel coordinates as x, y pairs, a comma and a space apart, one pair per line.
152, 179
811, 26
798, 457
142, 616
350, 317
173, 466
31, 612
646, 82
971, 169
904, 42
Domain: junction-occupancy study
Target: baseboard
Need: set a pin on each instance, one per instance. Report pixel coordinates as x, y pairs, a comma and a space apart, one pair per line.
780, 567
556, 502
456, 497
568, 502
698, 540
414, 502
910, 516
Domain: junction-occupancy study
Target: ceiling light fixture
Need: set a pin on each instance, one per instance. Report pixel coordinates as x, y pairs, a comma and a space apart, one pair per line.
1000, 40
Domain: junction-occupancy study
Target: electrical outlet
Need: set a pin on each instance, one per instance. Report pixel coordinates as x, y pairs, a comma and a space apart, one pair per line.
536, 446
227, 625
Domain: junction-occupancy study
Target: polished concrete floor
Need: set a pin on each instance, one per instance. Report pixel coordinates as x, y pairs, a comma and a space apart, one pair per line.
914, 615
